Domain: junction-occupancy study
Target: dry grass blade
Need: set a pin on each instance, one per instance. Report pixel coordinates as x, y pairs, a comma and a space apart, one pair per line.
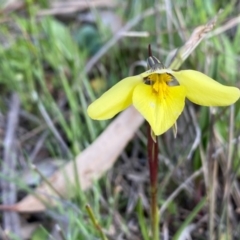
228, 178
49, 122
212, 166
11, 220
223, 28
70, 7
197, 36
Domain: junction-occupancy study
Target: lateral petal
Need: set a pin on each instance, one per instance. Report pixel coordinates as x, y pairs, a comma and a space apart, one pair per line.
114, 100
205, 91
160, 111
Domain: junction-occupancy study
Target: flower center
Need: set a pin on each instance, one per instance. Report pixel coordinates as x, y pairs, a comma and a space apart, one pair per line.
159, 83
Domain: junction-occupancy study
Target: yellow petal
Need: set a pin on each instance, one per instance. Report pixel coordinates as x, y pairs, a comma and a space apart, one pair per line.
160, 111
205, 91
114, 100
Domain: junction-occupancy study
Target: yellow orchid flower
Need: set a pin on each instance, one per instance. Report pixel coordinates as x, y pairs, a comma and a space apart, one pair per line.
161, 103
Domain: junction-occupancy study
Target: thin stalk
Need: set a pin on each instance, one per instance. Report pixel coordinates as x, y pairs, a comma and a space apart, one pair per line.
46, 180
95, 223
228, 179
153, 168
212, 173
60, 231
141, 220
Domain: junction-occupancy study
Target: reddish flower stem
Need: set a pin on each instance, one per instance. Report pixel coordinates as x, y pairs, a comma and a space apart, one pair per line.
153, 168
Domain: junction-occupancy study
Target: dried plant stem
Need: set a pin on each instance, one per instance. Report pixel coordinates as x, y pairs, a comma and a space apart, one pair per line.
34, 168
212, 199
153, 168
228, 179
212, 174
60, 231
11, 220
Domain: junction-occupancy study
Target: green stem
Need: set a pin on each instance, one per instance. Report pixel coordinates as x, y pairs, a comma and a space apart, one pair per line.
153, 168
95, 223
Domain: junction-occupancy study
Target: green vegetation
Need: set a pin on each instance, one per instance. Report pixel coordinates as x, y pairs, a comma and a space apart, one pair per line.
47, 60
